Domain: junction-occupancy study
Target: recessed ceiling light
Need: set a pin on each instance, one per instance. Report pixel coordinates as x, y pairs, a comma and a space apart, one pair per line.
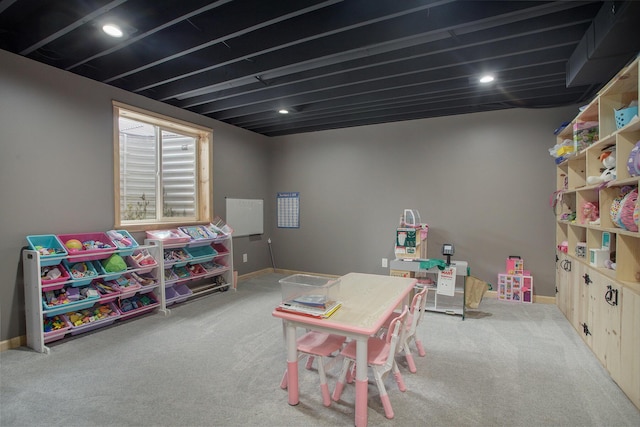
283, 111
113, 30
487, 78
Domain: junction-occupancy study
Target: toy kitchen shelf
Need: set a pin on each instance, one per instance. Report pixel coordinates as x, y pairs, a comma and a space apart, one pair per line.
453, 305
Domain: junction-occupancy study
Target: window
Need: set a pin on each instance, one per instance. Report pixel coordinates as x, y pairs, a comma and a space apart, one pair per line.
162, 170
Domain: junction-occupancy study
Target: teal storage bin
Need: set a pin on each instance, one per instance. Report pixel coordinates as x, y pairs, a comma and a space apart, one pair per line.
90, 272
201, 254
50, 247
125, 250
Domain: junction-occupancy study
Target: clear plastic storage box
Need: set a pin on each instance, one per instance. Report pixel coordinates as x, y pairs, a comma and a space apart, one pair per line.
306, 287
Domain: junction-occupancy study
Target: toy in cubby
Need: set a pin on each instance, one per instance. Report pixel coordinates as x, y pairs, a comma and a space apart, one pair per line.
623, 209
590, 214
608, 159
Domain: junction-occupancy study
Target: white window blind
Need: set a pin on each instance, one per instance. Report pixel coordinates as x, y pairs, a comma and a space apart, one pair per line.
156, 187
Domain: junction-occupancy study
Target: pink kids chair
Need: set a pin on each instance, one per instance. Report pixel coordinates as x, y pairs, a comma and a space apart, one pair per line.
317, 345
380, 358
415, 315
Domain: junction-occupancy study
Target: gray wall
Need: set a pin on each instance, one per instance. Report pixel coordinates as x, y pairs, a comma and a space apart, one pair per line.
56, 166
480, 181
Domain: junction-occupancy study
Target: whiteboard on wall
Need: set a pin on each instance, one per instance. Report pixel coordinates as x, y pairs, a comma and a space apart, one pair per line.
245, 216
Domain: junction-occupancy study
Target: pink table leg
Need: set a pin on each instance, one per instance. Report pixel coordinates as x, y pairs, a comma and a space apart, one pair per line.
292, 364
362, 382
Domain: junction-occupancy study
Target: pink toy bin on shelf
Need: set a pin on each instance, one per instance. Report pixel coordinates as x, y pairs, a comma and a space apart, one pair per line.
59, 333
83, 254
168, 236
105, 295
51, 249
146, 281
220, 249
124, 314
95, 324
52, 284
141, 260
128, 288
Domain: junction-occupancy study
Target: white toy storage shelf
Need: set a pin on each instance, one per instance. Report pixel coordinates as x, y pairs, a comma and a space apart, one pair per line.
97, 298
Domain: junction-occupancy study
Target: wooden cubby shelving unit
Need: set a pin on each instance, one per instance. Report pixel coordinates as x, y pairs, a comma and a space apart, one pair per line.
602, 304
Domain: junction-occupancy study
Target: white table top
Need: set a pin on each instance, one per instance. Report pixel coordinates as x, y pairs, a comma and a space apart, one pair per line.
367, 300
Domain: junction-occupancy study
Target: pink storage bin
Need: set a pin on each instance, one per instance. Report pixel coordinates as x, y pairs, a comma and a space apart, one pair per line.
139, 310
141, 260
221, 249
95, 323
79, 255
196, 270
53, 284
168, 236
146, 280
57, 334
127, 287
108, 290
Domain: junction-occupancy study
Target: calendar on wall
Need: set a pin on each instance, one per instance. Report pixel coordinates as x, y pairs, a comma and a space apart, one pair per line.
289, 210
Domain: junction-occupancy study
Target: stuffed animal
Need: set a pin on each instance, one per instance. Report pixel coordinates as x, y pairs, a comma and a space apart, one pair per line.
608, 159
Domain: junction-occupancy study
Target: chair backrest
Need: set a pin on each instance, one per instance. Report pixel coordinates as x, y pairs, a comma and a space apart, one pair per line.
396, 334
418, 305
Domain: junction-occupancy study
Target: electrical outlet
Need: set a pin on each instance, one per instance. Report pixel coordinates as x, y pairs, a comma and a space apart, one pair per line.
244, 257
385, 262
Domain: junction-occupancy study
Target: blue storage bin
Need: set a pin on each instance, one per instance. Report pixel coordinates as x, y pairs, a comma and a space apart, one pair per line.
50, 247
178, 257
624, 116
125, 250
107, 274
89, 275
54, 310
201, 254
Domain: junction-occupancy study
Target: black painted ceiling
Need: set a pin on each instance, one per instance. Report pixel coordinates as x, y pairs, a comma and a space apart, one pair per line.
332, 63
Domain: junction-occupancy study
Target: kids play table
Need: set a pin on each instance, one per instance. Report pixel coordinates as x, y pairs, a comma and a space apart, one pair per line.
367, 300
